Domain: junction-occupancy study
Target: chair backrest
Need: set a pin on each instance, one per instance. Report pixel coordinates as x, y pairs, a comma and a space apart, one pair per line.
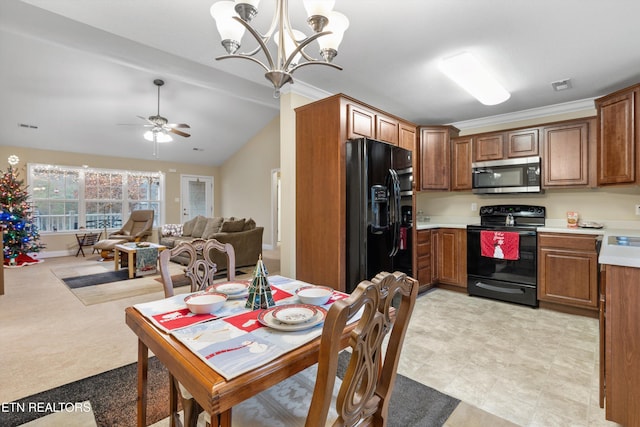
140, 222
368, 382
201, 269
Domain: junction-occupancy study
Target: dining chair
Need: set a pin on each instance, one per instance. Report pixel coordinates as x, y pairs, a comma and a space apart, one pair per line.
200, 271
314, 397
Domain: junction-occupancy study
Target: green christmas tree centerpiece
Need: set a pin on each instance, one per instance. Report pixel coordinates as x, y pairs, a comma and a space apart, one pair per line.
260, 295
21, 235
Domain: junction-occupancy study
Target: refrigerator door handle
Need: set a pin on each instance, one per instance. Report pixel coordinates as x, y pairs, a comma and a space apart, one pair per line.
394, 198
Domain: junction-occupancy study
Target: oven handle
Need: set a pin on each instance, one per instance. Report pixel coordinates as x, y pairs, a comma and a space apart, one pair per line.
522, 233
499, 289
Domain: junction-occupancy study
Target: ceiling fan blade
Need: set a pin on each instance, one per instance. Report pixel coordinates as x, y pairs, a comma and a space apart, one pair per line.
146, 120
179, 132
178, 125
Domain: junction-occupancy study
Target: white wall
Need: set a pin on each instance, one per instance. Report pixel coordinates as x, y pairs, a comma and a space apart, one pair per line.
246, 180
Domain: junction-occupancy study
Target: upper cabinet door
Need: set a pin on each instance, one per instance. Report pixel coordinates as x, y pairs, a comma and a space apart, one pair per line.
566, 154
488, 147
435, 158
522, 143
361, 122
617, 138
461, 163
387, 129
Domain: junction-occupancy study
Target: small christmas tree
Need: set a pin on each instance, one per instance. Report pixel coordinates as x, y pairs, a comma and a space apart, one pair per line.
21, 235
260, 295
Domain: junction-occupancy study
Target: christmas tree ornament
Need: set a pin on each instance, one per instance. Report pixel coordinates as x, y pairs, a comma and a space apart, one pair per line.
260, 295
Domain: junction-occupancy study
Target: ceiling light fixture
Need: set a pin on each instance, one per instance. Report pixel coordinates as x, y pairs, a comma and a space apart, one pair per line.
233, 17
472, 76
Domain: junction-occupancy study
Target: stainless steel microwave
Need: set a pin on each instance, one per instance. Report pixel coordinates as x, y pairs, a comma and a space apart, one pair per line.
518, 175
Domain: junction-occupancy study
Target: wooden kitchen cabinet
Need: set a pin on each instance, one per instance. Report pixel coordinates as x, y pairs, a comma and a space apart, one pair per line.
387, 129
618, 137
461, 163
435, 157
488, 147
569, 154
622, 345
364, 122
322, 128
568, 270
522, 143
423, 250
451, 247
506, 145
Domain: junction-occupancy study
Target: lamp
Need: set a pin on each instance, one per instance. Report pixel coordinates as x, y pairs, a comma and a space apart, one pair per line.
234, 17
472, 76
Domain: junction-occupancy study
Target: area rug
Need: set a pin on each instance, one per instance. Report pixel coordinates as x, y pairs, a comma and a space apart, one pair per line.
96, 283
112, 396
96, 279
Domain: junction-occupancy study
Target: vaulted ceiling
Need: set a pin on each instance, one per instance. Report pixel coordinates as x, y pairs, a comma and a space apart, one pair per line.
81, 71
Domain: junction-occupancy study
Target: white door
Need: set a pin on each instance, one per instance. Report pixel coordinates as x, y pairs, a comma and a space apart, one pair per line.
196, 194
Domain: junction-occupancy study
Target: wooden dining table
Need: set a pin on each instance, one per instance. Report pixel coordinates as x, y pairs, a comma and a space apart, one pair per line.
212, 391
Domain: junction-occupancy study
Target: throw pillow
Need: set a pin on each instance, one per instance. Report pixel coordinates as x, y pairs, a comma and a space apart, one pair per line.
201, 223
249, 224
187, 227
171, 230
213, 227
232, 226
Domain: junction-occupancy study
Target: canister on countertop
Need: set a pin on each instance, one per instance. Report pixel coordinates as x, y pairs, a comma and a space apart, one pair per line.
572, 219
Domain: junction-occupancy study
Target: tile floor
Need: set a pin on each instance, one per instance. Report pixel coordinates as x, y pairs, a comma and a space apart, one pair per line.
532, 367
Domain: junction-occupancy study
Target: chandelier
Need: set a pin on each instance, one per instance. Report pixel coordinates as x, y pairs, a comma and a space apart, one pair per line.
234, 17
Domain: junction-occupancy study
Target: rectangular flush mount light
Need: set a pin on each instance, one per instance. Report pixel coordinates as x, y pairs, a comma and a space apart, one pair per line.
472, 76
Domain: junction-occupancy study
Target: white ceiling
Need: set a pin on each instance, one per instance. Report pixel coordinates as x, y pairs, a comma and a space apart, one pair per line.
80, 69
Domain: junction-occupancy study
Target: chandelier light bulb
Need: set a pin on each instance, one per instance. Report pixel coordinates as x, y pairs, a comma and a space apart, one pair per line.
231, 31
290, 45
13, 160
338, 24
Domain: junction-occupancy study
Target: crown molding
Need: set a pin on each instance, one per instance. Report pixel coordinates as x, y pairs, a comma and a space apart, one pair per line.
534, 113
304, 89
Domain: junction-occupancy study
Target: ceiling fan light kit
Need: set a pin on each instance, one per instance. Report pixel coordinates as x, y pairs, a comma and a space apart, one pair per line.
234, 17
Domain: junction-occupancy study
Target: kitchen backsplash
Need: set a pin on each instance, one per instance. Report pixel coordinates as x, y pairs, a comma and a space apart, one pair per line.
616, 204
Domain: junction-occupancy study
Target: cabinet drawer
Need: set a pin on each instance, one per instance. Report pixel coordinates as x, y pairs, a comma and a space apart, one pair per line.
581, 242
424, 236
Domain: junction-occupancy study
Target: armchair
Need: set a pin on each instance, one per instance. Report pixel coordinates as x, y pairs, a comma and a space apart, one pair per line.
137, 228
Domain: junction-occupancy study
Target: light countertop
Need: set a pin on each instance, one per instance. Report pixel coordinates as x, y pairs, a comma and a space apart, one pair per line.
625, 256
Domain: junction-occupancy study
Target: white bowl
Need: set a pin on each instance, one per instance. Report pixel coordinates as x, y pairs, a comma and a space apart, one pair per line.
315, 295
205, 302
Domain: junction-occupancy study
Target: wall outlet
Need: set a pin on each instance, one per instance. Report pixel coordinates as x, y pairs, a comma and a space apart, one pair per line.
474, 207
637, 209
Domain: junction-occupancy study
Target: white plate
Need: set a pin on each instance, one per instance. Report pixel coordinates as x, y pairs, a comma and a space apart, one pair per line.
243, 294
231, 288
294, 313
267, 319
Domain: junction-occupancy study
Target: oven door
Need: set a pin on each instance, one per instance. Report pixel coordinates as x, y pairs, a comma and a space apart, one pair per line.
507, 280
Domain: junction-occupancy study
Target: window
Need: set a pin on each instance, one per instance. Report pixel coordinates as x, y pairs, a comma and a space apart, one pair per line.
69, 198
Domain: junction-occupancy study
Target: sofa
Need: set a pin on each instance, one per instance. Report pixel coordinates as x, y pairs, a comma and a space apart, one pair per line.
242, 234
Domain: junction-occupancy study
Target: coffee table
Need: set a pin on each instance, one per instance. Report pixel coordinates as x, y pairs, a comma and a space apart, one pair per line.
130, 249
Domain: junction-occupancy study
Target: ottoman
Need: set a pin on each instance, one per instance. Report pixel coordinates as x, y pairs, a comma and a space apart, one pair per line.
106, 247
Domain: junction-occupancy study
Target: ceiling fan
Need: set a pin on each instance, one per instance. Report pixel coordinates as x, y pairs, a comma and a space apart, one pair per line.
160, 128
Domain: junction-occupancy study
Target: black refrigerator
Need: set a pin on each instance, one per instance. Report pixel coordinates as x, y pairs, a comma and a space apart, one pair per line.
379, 210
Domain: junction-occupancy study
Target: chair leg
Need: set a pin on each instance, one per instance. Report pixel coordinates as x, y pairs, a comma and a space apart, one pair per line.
191, 409
174, 418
